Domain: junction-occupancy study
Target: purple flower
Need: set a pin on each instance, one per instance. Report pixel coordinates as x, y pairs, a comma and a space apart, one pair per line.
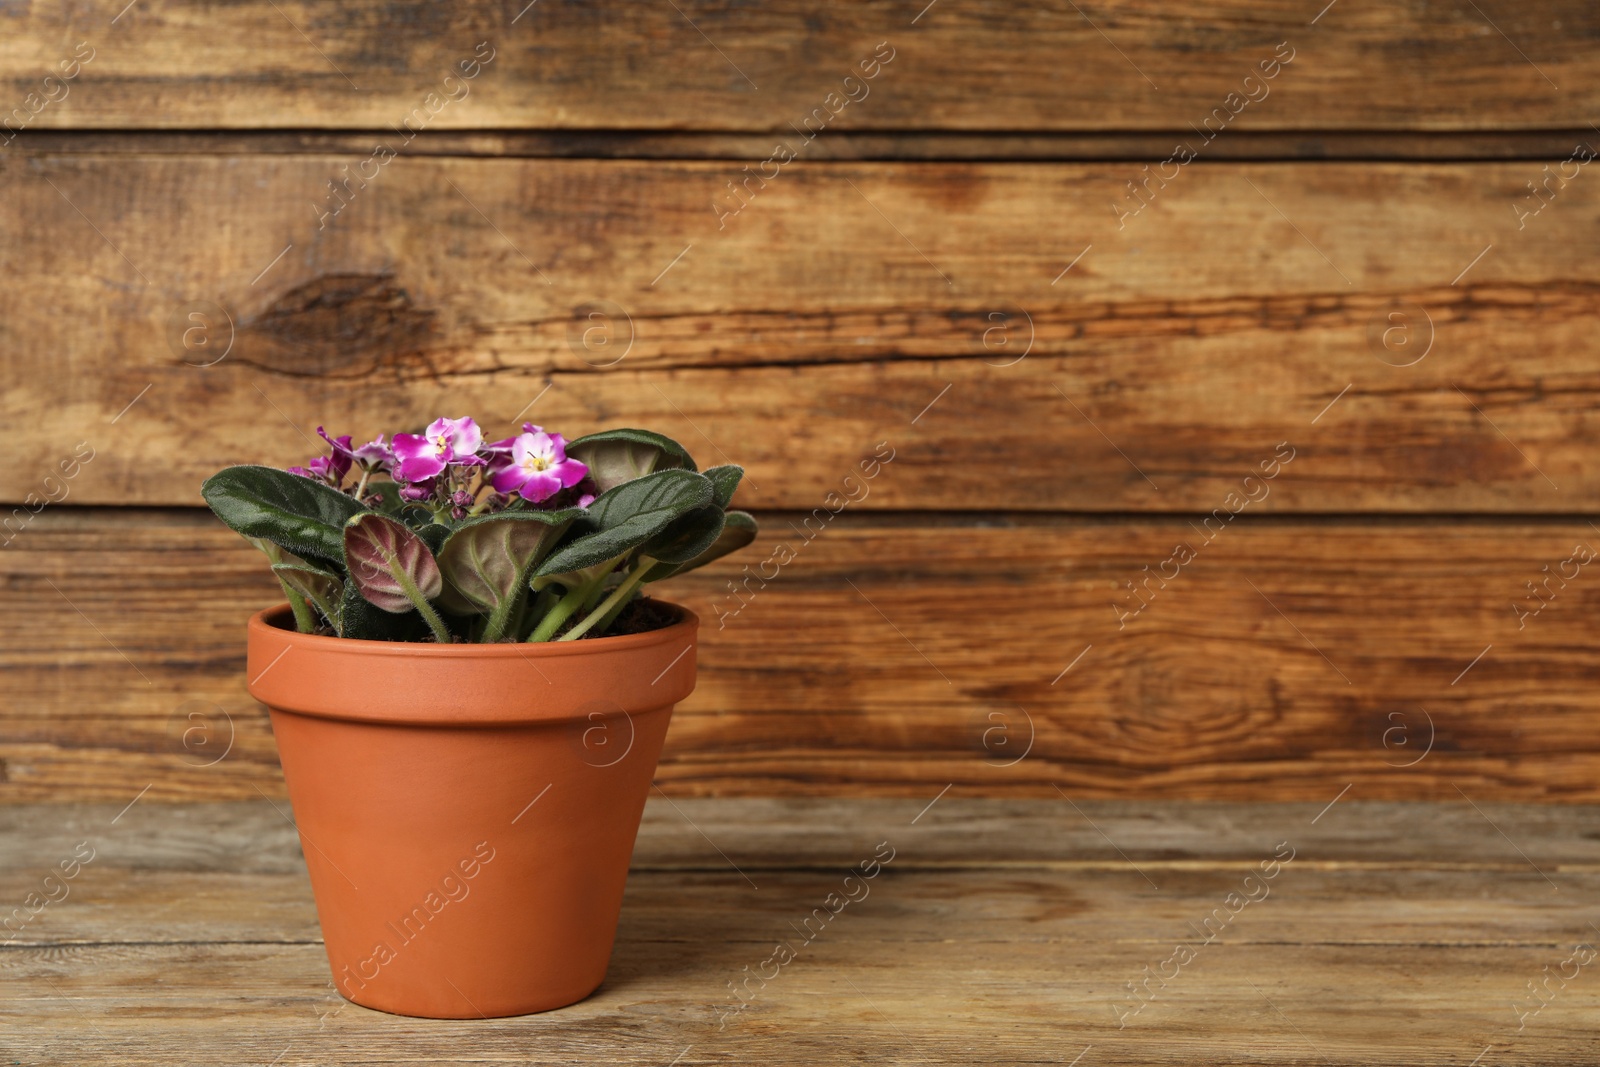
503, 448
302, 472
335, 466
341, 444
538, 468
330, 469
375, 453
417, 491
423, 456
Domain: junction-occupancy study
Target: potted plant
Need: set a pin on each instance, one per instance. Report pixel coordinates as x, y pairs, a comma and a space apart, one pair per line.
469, 693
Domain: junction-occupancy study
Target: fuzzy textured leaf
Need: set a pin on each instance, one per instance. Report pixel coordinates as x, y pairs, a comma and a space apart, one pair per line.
434, 535
322, 587
389, 564
299, 514
615, 457
487, 559
627, 516
685, 537
360, 621
724, 480
738, 530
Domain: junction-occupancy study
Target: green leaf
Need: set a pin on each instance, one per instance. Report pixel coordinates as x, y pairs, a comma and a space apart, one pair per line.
737, 532
487, 559
389, 501
390, 565
615, 457
434, 535
300, 514
304, 620
322, 587
627, 516
360, 621
273, 553
724, 480
685, 537
573, 578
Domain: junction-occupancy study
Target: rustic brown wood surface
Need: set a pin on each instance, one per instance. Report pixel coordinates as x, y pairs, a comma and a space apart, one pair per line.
1001, 932
1543, 145
1131, 64
1390, 320
899, 655
987, 261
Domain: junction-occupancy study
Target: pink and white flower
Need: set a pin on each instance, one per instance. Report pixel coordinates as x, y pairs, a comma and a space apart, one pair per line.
537, 468
423, 456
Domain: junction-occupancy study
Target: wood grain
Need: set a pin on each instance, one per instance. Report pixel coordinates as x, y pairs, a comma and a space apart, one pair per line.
1133, 64
192, 936
255, 838
978, 146
901, 655
1072, 373
1245, 306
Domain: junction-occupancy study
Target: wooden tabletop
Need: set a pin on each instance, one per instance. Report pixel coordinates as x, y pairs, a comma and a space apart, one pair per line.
1047, 931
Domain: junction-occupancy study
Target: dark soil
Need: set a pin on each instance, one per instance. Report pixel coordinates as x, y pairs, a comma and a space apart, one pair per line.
641, 616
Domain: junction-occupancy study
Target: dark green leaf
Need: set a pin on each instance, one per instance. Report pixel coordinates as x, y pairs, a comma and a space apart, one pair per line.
724, 480
685, 537
738, 531
434, 535
414, 515
300, 514
629, 515
322, 587
362, 621
618, 456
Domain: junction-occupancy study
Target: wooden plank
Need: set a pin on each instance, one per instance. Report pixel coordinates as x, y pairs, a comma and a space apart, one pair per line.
256, 838
969, 1002
1247, 305
1136, 64
277, 909
1288, 660
978, 146
994, 961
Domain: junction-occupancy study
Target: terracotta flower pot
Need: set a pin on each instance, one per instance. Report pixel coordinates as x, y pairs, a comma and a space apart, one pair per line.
467, 812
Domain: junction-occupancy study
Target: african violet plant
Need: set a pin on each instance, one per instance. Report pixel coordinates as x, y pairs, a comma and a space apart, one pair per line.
445, 536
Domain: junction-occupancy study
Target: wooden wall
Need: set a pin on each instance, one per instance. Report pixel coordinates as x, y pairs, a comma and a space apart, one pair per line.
1344, 357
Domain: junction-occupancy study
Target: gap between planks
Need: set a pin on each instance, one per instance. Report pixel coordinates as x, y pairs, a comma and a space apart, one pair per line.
910, 146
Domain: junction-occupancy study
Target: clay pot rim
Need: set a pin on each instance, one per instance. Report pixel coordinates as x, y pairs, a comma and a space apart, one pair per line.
265, 621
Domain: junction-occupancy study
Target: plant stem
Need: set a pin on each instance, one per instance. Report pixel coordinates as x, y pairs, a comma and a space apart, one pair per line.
558, 615
483, 492
441, 632
361, 486
304, 621
618, 595
509, 608
598, 589
537, 608
574, 599
616, 609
